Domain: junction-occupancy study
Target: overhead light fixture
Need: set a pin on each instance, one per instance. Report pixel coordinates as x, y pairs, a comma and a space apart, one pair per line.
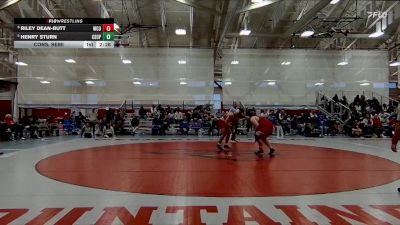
137, 83
334, 2
182, 62
21, 64
271, 83
256, 1
343, 63
228, 83
244, 32
180, 32
365, 84
126, 61
235, 62
45, 82
89, 82
183, 83
395, 63
307, 33
319, 84
376, 34
70, 61
285, 63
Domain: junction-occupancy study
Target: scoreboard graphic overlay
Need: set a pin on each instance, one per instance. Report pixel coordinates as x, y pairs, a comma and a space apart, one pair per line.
64, 33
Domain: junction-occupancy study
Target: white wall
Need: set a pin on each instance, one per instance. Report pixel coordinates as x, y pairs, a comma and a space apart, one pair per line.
157, 70
295, 83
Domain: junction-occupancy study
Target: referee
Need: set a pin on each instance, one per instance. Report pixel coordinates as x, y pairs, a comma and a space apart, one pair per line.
235, 110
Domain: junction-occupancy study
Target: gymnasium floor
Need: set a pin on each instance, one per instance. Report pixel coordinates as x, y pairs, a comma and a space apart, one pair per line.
181, 180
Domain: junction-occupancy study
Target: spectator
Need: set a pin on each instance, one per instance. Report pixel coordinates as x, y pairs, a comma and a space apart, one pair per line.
153, 109
87, 131
335, 98
377, 126
108, 131
344, 101
142, 112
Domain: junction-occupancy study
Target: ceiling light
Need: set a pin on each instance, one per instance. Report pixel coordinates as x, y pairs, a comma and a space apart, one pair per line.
228, 83
245, 32
343, 63
126, 61
182, 62
180, 32
137, 83
334, 2
21, 64
70, 61
319, 84
256, 1
183, 83
376, 34
45, 82
286, 63
235, 62
89, 82
307, 33
395, 63
365, 84
271, 83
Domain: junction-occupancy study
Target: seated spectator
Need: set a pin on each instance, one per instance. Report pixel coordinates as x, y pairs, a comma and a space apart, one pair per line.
377, 126
135, 124
356, 131
142, 112
195, 125
108, 131
98, 132
87, 131
13, 129
184, 127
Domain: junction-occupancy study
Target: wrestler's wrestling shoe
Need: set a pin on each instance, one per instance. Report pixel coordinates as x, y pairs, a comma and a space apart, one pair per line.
259, 153
394, 148
271, 152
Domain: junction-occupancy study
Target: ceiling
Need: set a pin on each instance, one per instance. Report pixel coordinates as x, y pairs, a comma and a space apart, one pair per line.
217, 23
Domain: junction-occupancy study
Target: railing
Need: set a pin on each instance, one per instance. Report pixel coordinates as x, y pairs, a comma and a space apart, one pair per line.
332, 108
384, 99
183, 104
368, 95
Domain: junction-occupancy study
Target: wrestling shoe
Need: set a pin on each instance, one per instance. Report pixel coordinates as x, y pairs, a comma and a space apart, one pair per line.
394, 148
220, 148
259, 153
271, 152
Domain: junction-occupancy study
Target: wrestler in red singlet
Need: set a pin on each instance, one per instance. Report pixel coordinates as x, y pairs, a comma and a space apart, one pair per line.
264, 128
225, 126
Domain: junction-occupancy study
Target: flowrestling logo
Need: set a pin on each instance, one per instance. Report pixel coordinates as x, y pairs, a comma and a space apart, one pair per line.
202, 215
377, 14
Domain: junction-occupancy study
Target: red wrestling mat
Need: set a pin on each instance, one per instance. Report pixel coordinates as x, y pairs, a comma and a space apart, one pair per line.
194, 169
